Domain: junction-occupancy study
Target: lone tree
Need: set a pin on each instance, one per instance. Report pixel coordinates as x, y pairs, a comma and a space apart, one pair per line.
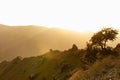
74, 47
102, 37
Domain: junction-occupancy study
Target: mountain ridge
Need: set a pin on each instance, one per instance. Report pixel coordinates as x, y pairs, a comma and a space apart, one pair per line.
35, 40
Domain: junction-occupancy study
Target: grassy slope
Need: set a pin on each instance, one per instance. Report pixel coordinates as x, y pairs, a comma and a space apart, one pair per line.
107, 69
57, 65
52, 65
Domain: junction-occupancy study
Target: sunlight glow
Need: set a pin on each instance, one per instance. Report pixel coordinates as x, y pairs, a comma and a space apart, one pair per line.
77, 15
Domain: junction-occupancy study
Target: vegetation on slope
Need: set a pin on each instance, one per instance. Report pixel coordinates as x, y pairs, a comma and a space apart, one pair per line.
97, 61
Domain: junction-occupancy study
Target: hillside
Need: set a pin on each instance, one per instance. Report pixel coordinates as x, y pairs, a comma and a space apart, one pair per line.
61, 65
97, 61
31, 40
54, 64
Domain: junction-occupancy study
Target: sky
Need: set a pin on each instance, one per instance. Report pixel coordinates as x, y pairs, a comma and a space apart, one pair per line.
77, 15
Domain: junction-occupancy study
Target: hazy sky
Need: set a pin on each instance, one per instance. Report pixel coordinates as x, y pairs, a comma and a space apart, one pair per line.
79, 15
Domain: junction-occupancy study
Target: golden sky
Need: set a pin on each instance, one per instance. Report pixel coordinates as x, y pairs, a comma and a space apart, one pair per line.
78, 15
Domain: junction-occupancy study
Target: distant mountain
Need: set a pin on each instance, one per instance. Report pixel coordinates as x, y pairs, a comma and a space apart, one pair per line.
35, 40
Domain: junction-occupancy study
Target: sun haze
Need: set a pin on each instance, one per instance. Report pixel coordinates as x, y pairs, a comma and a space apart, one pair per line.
77, 15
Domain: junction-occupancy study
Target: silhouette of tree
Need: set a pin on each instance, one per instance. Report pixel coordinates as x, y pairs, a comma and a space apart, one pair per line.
102, 37
51, 50
91, 51
97, 47
74, 47
117, 48
118, 45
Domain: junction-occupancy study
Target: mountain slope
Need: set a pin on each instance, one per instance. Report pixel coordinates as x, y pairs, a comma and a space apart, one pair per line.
34, 40
54, 65
61, 65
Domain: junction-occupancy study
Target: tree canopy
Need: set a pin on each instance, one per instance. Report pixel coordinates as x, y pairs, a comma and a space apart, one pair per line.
102, 37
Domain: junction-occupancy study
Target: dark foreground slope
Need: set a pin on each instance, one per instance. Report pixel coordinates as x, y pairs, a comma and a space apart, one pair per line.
57, 65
